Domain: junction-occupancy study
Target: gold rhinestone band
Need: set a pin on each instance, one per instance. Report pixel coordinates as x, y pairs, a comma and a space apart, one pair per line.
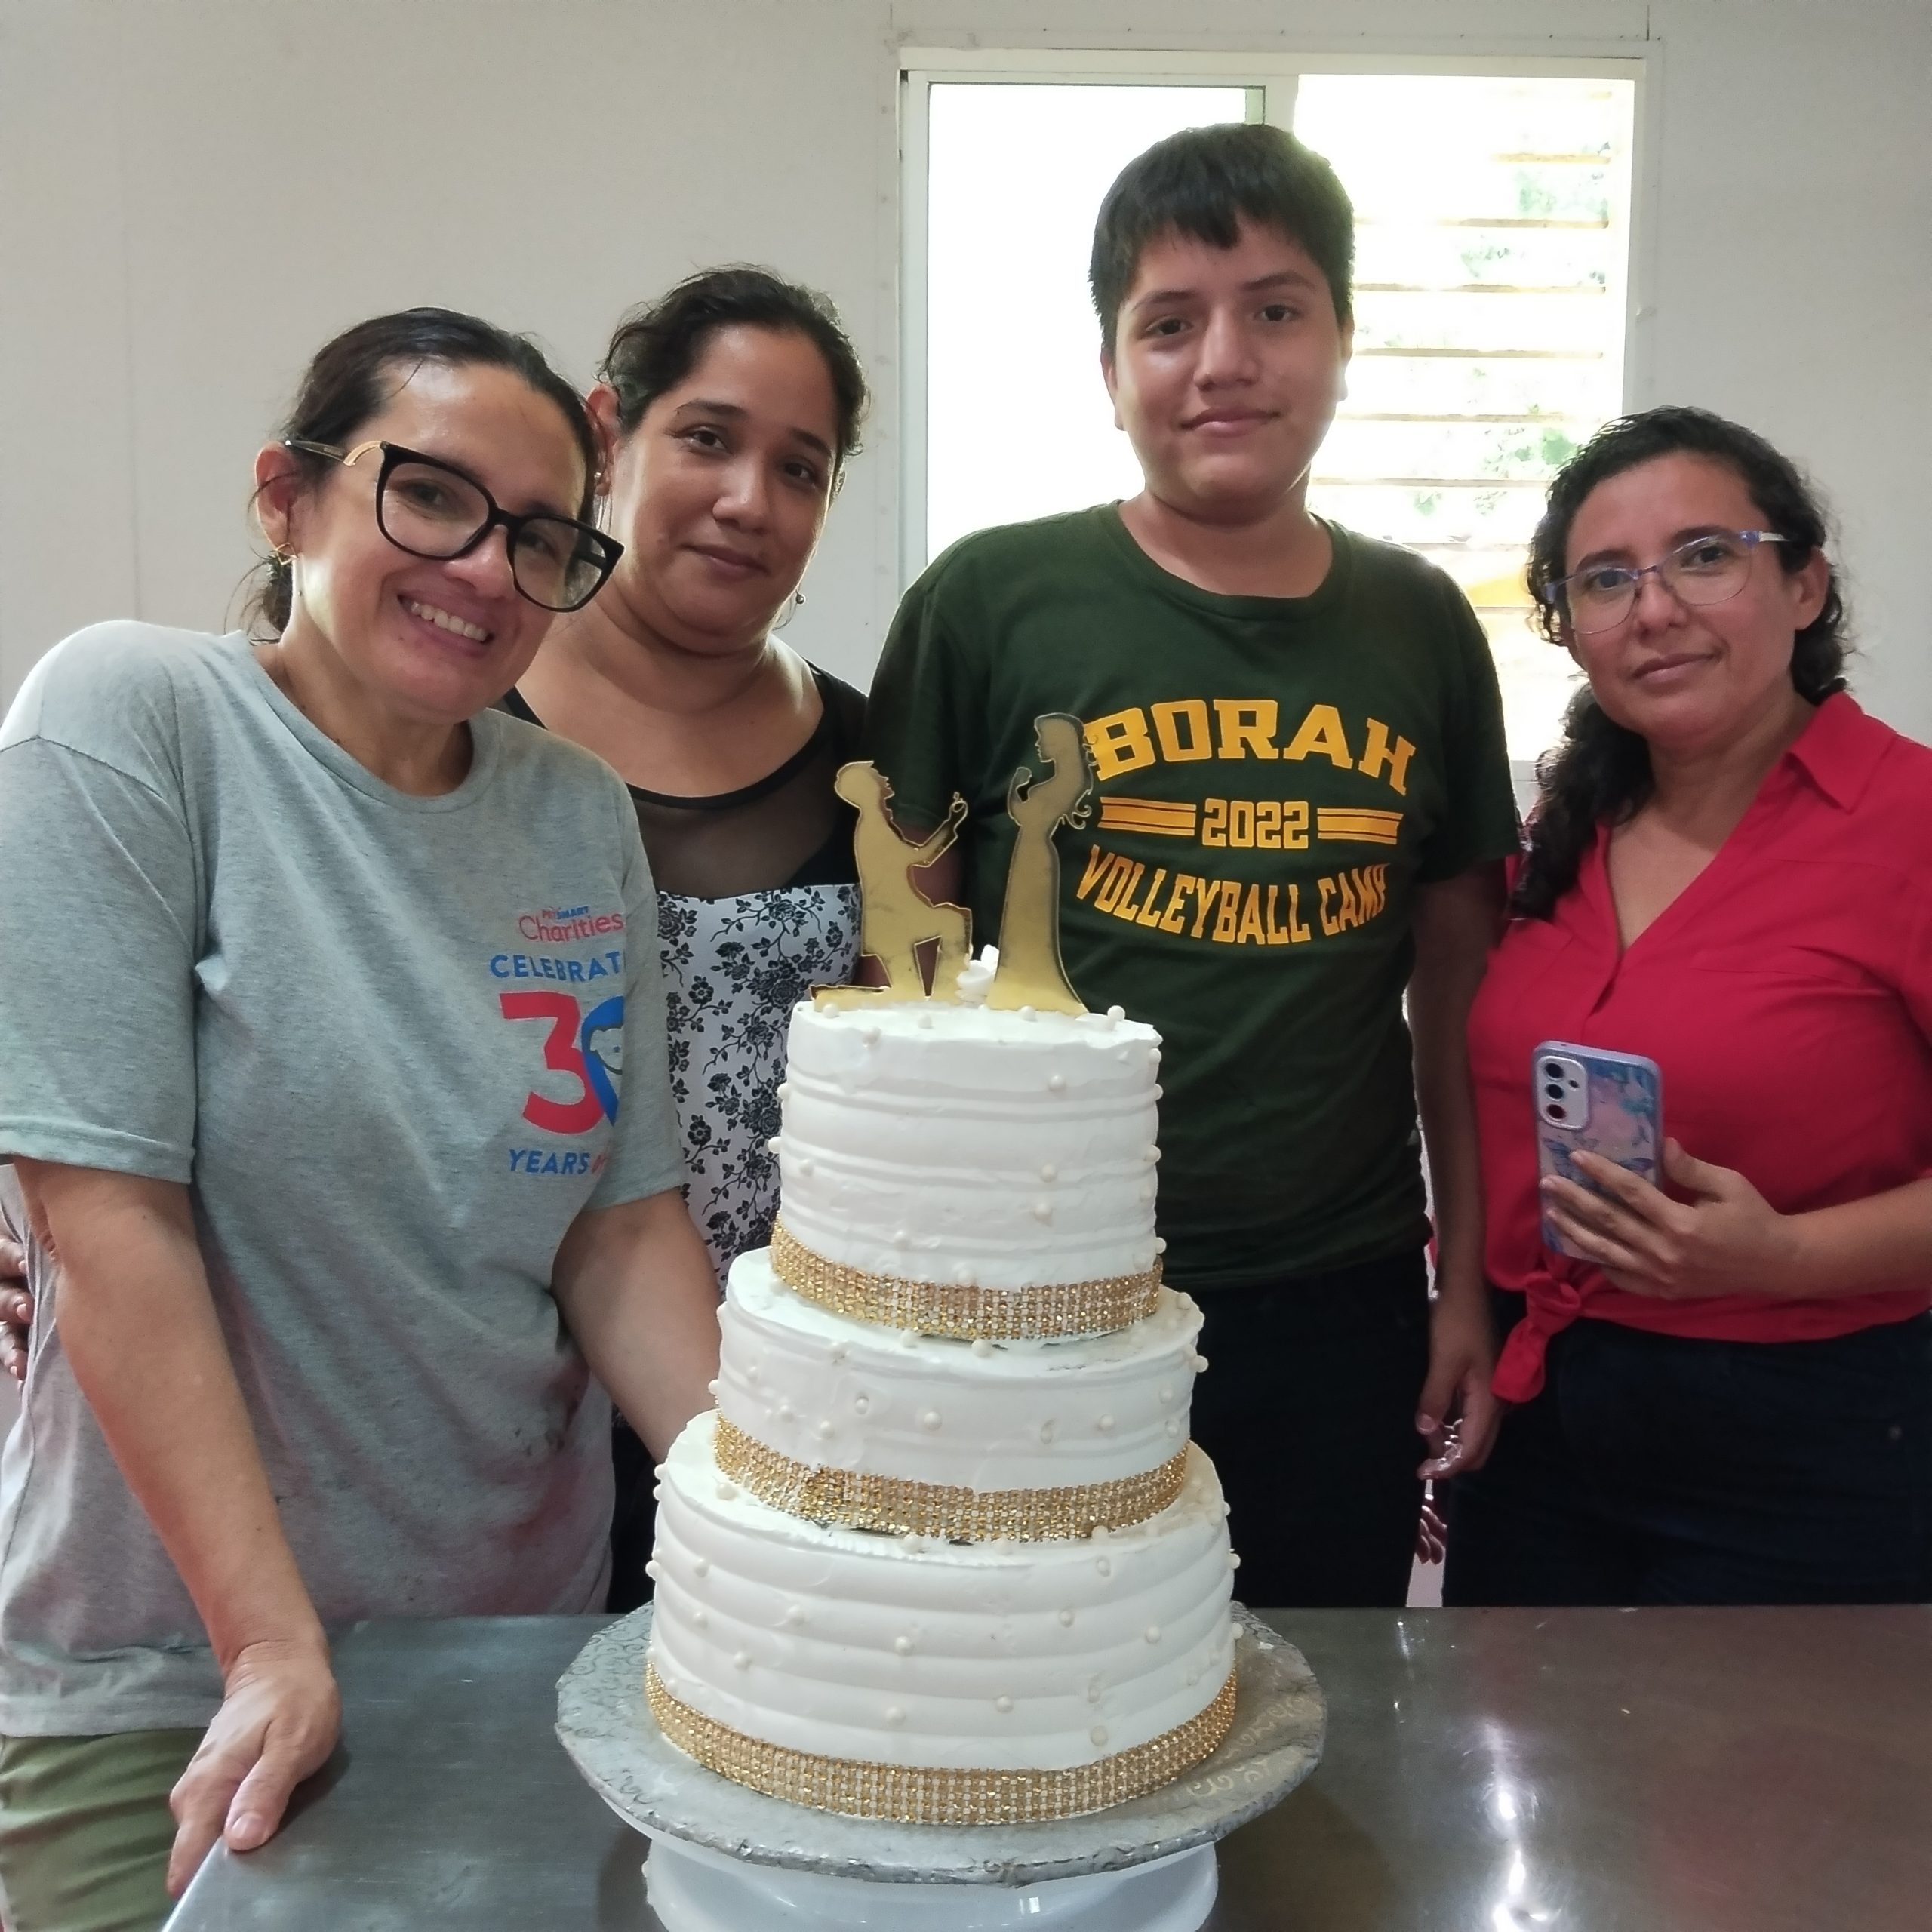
935, 1509
918, 1797
968, 1313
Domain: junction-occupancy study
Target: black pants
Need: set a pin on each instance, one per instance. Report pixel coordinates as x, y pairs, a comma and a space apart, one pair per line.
1659, 1469
634, 1528
1308, 1409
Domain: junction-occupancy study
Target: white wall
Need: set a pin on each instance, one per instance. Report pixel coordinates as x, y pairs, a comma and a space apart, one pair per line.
195, 193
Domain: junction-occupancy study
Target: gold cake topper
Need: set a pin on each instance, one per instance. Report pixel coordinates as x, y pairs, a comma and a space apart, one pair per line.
1030, 971
896, 919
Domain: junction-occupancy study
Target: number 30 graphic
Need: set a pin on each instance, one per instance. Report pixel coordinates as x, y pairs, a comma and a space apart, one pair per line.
563, 1053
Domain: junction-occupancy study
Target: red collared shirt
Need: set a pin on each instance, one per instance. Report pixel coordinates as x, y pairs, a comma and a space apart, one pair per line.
1786, 994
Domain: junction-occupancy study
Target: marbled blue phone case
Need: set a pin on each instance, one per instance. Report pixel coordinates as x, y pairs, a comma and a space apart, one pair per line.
1625, 1120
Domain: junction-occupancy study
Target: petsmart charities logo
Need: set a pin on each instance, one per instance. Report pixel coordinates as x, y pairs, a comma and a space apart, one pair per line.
574, 922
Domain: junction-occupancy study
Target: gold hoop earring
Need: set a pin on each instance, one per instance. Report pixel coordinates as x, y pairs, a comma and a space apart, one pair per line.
282, 555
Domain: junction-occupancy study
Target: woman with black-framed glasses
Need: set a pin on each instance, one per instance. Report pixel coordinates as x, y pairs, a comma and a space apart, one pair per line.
434, 509
1722, 1384
330, 1009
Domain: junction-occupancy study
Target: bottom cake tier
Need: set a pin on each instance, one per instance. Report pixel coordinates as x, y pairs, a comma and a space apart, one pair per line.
911, 1677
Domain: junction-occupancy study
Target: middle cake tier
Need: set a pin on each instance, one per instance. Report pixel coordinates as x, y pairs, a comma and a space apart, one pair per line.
838, 1419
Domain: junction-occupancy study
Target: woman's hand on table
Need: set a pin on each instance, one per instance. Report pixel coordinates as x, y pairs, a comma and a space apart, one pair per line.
148, 1354
277, 1724
1723, 1238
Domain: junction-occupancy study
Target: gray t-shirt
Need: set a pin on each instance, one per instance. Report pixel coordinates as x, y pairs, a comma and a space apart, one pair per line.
382, 1037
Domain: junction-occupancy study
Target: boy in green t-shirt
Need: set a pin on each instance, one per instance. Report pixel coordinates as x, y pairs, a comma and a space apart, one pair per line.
1303, 804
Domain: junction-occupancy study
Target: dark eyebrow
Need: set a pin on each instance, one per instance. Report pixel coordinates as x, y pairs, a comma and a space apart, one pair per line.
734, 412
1281, 278
1676, 541
538, 508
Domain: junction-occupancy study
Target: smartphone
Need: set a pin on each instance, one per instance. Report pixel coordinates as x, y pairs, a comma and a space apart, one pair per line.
1604, 1103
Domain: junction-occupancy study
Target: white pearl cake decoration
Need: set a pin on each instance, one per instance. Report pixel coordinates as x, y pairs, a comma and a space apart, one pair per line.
943, 1412
943, 1552
1035, 1623
940, 1133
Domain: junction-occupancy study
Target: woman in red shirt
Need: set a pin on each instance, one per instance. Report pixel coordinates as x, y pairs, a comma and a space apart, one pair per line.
1730, 1401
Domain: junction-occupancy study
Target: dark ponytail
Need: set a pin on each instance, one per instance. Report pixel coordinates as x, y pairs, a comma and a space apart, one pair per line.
351, 381
1599, 773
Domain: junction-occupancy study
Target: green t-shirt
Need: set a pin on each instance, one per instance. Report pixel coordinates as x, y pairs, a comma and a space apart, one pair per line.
1276, 775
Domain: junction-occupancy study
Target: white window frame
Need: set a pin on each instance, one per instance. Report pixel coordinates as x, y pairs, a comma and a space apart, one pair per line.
1276, 76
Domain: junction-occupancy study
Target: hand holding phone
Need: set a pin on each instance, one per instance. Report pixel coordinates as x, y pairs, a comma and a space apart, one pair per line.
1590, 1099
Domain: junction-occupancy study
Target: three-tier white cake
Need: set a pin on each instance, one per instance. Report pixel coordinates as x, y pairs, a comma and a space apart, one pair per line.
943, 1552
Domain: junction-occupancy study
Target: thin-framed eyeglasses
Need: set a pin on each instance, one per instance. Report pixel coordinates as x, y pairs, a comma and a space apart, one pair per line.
431, 509
1710, 569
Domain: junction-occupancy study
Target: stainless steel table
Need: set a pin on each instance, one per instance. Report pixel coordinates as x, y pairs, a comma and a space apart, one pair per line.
1681, 1770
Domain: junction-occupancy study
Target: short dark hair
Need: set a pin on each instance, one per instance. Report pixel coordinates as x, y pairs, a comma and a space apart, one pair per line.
352, 378
656, 346
1599, 772
1200, 182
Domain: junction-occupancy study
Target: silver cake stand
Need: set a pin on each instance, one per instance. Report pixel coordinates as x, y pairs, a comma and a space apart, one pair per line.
723, 1858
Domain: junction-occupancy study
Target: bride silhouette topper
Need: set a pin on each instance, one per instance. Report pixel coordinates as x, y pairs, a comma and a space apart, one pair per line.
1031, 973
896, 919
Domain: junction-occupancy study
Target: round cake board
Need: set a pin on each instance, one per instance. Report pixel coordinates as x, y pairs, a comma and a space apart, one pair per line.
693, 1889
756, 1845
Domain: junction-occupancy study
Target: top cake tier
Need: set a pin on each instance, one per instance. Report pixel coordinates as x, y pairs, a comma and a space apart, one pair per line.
954, 1146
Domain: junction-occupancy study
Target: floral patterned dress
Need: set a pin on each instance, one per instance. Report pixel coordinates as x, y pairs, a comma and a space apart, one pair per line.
757, 903
734, 969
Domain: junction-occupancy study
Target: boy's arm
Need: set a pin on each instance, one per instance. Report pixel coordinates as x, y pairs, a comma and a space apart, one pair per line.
1456, 923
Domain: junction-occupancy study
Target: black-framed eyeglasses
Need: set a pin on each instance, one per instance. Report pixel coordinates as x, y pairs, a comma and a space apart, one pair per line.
1710, 569
431, 509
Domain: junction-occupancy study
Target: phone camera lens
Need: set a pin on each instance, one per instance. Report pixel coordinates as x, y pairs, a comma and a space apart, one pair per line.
1551, 1071
1555, 1092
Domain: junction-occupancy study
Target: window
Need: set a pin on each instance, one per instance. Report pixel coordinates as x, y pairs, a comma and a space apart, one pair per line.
1493, 256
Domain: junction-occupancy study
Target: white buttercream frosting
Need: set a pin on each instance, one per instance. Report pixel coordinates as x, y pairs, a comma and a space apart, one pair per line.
831, 1393
910, 1650
951, 1145
948, 1144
